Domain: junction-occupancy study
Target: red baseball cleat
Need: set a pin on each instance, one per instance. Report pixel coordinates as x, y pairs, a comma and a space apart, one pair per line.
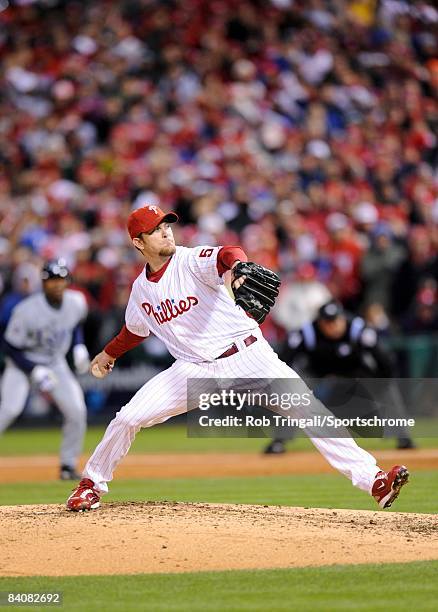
387, 485
84, 497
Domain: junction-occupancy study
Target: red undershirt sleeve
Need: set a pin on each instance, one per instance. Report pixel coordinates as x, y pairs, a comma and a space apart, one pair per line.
227, 255
123, 342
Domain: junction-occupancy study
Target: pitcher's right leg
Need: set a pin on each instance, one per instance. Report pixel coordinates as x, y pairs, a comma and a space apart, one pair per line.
162, 397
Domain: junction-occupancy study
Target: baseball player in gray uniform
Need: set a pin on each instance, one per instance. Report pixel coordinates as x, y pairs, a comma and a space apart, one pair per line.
39, 334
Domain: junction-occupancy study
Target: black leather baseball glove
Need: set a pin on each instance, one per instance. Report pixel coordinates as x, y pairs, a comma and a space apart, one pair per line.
260, 288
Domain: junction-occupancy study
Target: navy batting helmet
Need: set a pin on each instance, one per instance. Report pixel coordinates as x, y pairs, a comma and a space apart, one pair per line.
54, 269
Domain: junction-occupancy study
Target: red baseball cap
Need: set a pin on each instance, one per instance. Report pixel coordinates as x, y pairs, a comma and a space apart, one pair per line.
147, 218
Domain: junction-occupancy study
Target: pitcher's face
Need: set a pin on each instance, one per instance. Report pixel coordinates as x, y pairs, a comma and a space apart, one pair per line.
159, 241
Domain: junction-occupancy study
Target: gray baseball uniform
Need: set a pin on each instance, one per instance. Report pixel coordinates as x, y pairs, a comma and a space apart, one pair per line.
43, 335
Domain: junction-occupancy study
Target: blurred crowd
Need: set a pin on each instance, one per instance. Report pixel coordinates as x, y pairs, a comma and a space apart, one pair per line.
306, 131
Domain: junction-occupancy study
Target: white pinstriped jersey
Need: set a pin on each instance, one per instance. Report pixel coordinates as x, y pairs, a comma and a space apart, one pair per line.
189, 308
43, 332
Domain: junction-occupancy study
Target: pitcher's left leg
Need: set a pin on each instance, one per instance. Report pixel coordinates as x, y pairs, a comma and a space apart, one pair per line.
260, 361
350, 459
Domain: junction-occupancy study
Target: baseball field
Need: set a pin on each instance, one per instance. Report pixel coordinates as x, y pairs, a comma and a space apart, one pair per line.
212, 524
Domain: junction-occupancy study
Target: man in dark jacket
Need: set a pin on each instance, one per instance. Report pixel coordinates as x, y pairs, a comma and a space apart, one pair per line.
338, 344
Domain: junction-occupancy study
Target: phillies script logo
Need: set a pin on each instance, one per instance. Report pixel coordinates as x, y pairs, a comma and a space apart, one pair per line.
168, 310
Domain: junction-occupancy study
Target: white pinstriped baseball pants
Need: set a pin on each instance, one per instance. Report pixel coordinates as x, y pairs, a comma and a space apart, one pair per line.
165, 396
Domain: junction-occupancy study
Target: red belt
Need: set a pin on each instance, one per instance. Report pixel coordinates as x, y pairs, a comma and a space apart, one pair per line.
233, 348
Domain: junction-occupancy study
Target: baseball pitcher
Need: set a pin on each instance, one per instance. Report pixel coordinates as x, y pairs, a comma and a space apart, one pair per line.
181, 297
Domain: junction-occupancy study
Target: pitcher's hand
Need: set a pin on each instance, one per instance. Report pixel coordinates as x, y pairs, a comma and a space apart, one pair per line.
102, 365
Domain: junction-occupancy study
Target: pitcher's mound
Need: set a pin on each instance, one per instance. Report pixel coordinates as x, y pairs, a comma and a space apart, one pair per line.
124, 538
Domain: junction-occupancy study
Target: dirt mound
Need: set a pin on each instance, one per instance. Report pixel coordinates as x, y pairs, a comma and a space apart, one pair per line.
208, 465
179, 537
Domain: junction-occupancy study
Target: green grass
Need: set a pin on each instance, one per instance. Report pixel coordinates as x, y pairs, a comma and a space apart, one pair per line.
367, 587
321, 491
404, 586
163, 439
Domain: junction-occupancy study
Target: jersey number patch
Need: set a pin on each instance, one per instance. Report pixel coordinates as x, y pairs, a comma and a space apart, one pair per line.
206, 253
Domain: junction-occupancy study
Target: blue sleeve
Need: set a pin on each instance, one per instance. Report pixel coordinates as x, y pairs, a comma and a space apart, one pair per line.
8, 304
18, 358
78, 335
6, 307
